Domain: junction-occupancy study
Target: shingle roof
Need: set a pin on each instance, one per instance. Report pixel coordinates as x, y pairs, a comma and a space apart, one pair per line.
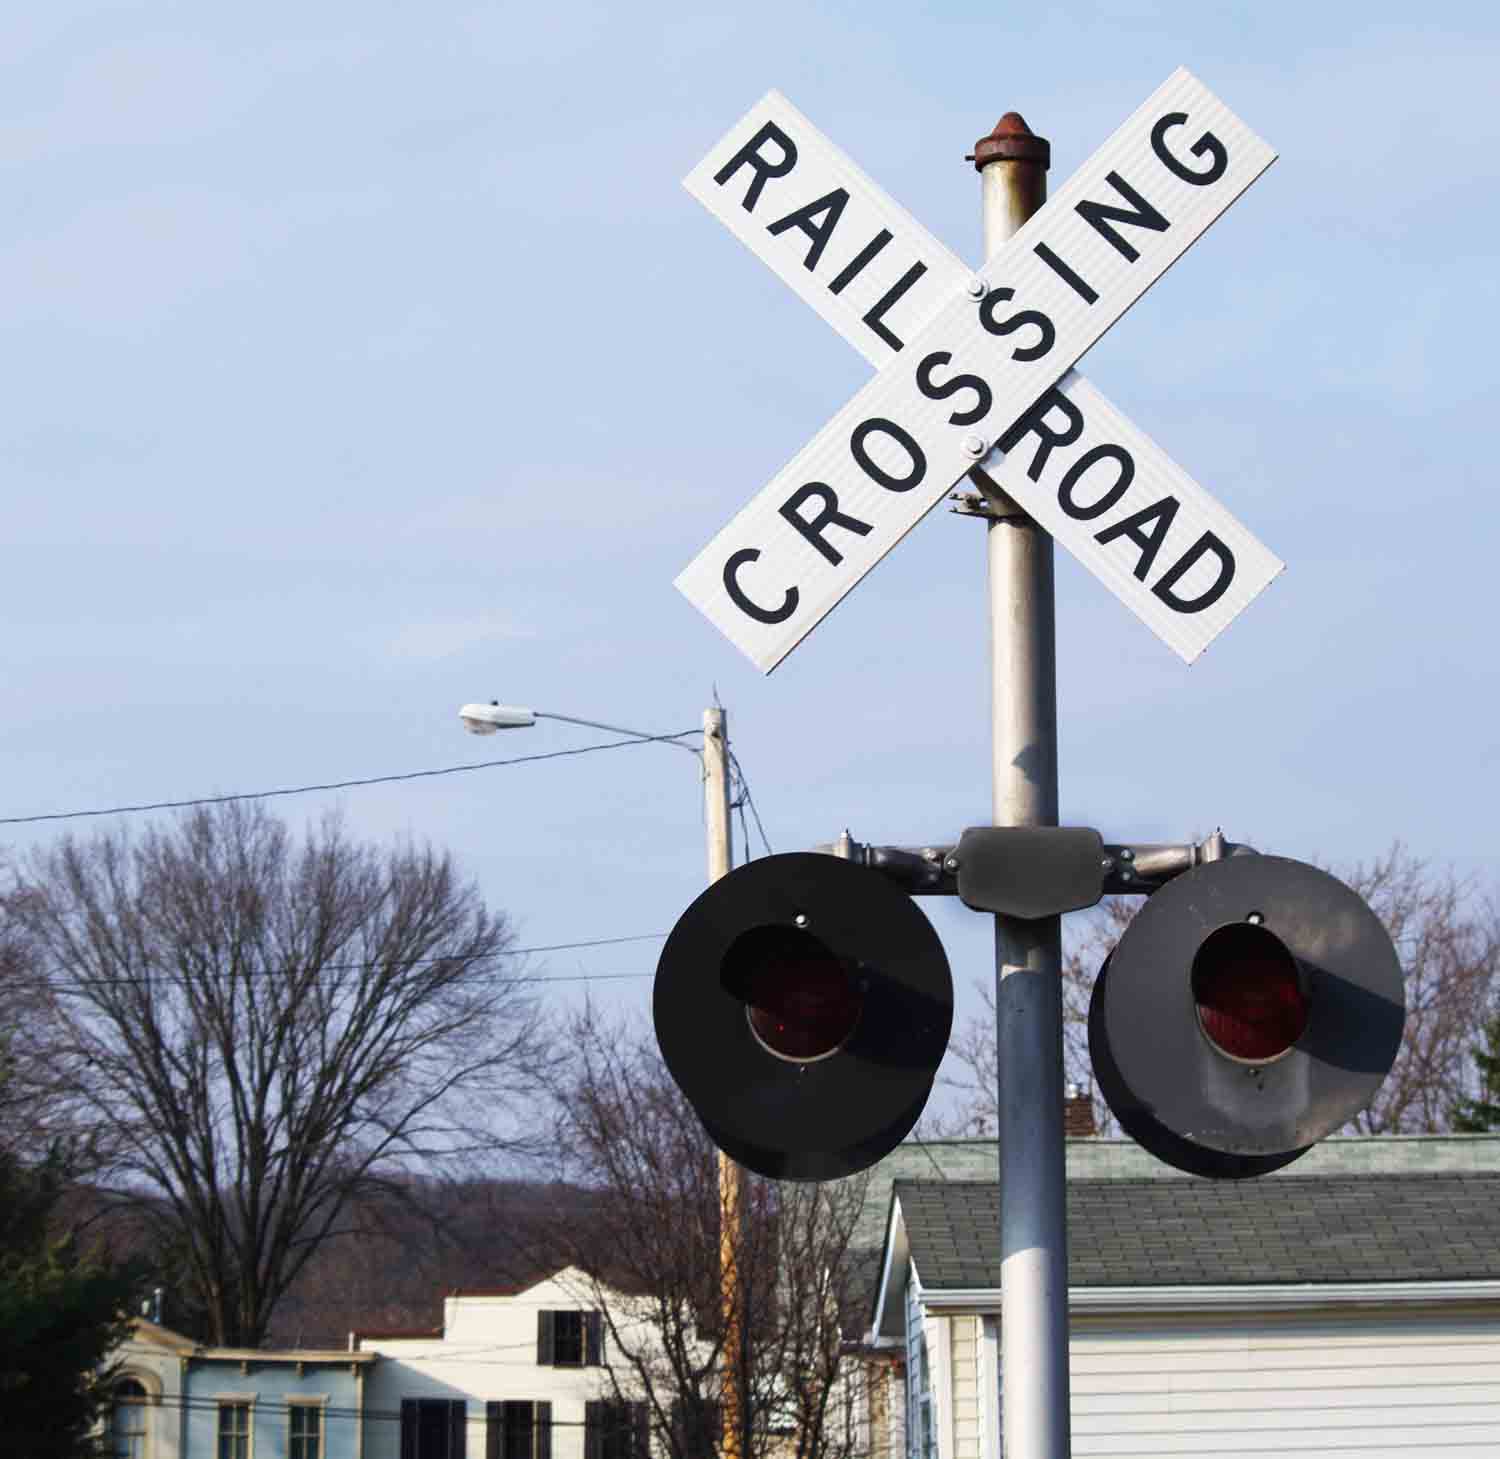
1145, 1233
1114, 1159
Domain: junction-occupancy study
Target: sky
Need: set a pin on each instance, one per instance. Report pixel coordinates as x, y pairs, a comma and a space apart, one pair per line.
367, 359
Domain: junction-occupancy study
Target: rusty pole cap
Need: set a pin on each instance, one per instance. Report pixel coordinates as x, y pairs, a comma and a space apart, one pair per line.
1012, 140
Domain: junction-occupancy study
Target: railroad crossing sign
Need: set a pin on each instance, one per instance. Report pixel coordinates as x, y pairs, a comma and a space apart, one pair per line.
975, 366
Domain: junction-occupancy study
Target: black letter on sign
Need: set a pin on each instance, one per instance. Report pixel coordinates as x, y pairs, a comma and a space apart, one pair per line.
1065, 499
1035, 420
984, 396
879, 307
1206, 143
762, 167
877, 473
1140, 214
1046, 333
828, 516
1173, 575
856, 264
740, 601
1162, 513
833, 204
1078, 285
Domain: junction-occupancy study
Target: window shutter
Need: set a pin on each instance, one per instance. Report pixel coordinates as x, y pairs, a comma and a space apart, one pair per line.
594, 1330
543, 1448
640, 1423
494, 1419
595, 1417
544, 1341
408, 1428
458, 1428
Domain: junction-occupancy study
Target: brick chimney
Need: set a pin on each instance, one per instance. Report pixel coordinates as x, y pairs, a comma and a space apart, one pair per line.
1078, 1112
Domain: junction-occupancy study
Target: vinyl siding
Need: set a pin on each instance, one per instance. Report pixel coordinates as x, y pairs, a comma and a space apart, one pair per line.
964, 1346
1364, 1387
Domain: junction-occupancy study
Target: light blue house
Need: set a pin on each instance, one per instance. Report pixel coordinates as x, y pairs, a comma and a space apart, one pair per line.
175, 1399
278, 1404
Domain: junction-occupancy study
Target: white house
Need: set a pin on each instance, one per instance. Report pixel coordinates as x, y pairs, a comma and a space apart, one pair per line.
511, 1374
1356, 1314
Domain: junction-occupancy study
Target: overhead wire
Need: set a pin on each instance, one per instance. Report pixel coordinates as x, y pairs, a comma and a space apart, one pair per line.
741, 800
167, 805
177, 978
346, 967
746, 799
281, 1407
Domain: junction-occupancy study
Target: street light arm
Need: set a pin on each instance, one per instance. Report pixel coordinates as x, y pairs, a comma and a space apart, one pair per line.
620, 730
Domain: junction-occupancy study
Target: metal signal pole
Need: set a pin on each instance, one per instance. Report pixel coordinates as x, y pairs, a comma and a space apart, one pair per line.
731, 1176
1012, 166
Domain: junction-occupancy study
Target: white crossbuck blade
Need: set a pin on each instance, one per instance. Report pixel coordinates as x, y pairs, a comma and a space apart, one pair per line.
977, 364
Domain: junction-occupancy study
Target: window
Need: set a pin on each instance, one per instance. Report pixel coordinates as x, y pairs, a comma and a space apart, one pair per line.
306, 1432
615, 1429
433, 1428
128, 1421
569, 1339
518, 1430
234, 1430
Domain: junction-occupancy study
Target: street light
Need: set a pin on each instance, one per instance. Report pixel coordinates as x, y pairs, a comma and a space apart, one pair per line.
487, 719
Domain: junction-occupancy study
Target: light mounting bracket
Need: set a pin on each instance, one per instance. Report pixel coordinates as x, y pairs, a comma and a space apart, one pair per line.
1030, 872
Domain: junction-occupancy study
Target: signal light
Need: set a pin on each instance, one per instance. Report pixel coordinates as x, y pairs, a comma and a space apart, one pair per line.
1251, 1001
801, 1000
1252, 1007
803, 1004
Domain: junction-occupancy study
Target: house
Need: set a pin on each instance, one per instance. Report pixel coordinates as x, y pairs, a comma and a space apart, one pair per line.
1348, 1311
144, 1420
525, 1373
177, 1399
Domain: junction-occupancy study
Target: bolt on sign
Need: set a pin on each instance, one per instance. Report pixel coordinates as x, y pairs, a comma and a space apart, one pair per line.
975, 369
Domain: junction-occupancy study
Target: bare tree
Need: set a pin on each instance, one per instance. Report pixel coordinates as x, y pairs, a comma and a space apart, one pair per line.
1088, 940
261, 1029
625, 1128
1448, 941
38, 1120
816, 1385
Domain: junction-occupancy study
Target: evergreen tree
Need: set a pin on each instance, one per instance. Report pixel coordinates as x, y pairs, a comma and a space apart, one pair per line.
1475, 1116
61, 1311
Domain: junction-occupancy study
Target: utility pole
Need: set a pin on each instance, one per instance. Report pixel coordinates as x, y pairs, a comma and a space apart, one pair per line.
1012, 166
731, 1176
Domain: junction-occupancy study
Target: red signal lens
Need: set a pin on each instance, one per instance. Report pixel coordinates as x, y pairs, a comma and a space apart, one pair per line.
1251, 1001
800, 999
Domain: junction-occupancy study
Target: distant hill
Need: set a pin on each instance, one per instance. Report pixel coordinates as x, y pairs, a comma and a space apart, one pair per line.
391, 1259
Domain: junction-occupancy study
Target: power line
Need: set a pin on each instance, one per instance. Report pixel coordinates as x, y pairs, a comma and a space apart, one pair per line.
167, 805
202, 1403
271, 972
748, 800
148, 978
592, 942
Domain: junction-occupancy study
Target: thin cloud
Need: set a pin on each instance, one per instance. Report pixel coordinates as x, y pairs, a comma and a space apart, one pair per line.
429, 641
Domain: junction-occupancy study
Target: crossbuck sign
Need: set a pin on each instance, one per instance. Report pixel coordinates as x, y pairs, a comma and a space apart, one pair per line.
976, 367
